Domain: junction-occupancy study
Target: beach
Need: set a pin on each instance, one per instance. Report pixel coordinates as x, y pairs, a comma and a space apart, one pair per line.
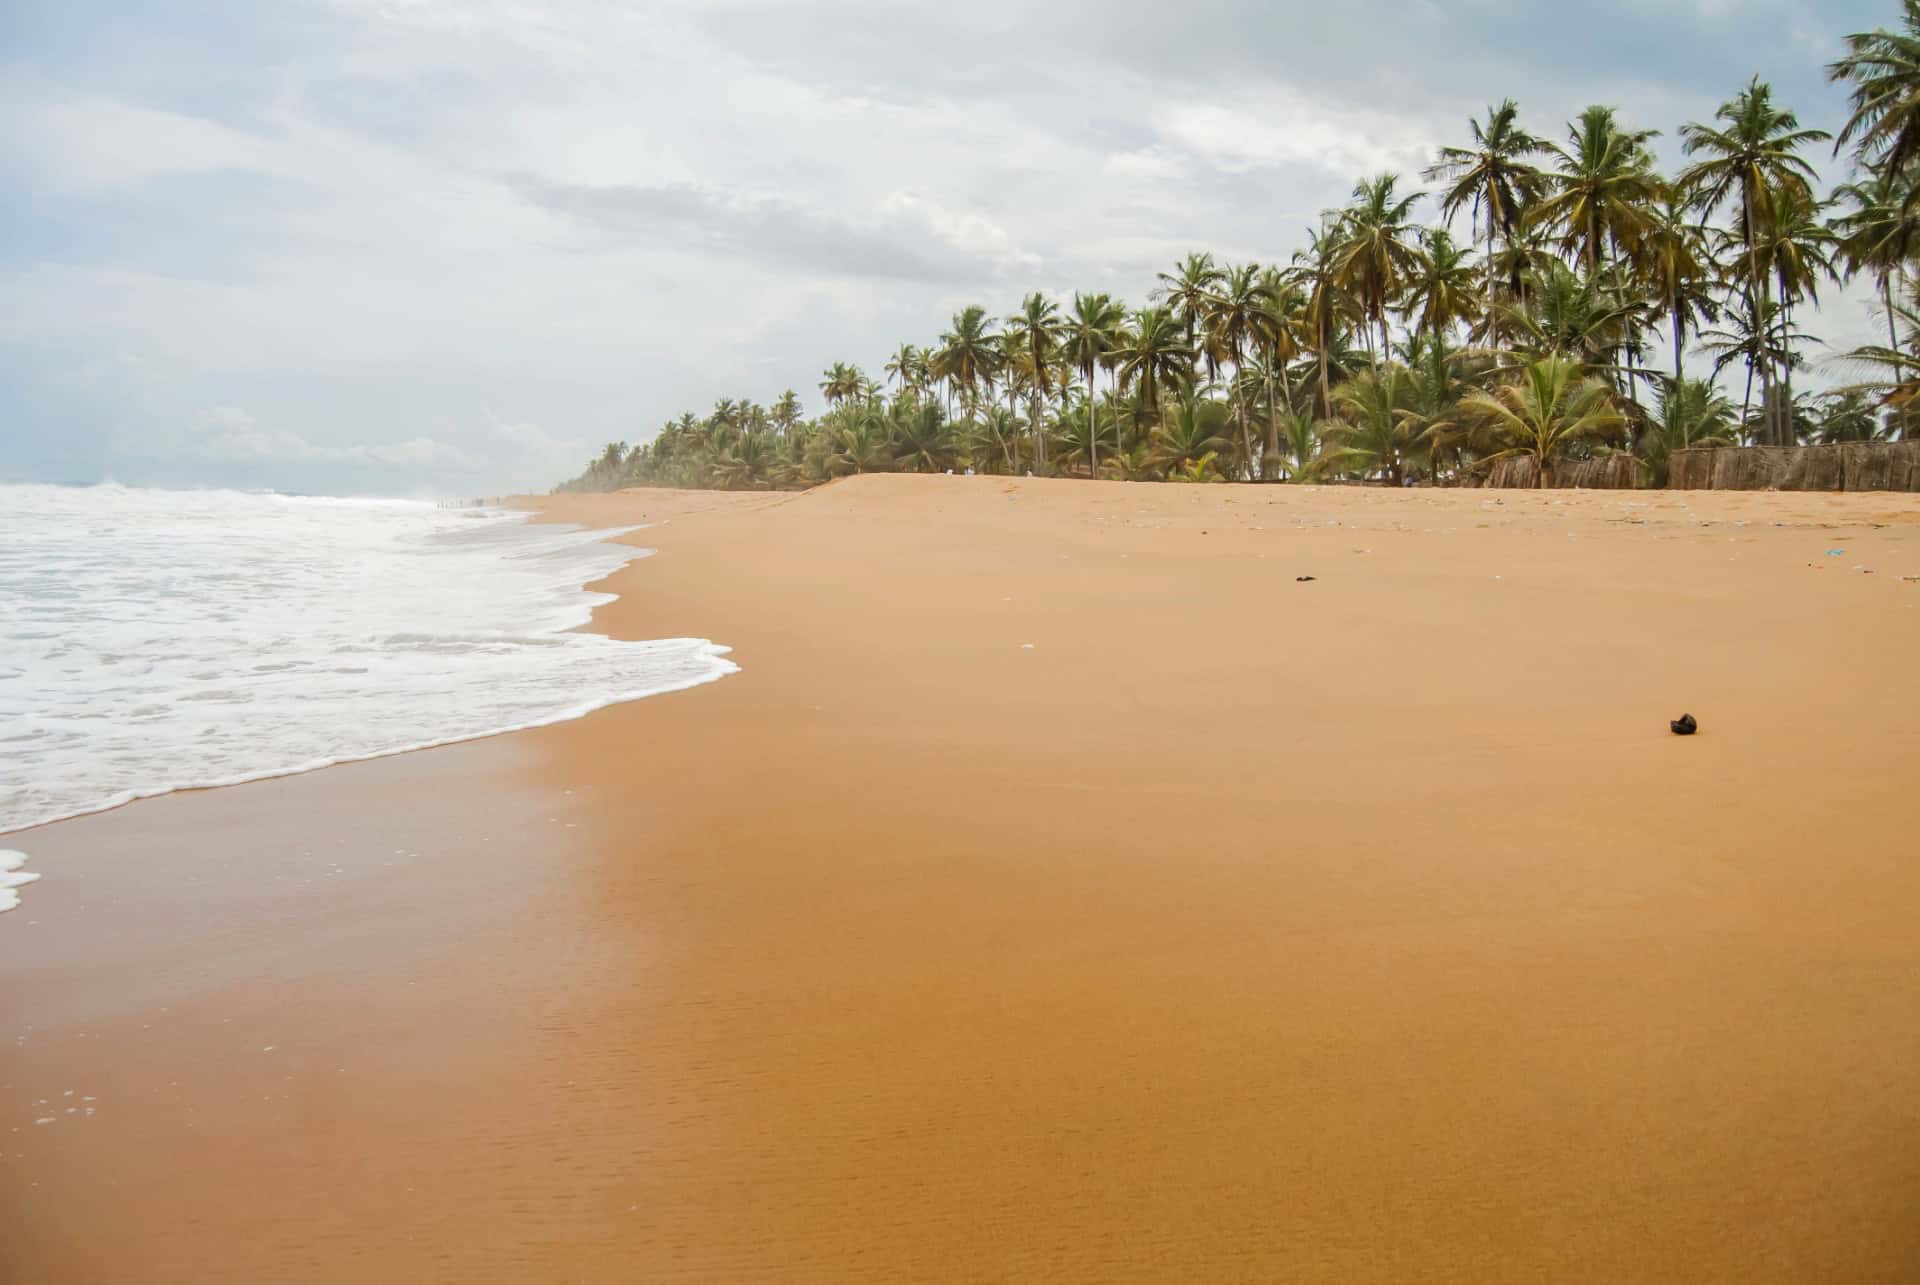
1081, 881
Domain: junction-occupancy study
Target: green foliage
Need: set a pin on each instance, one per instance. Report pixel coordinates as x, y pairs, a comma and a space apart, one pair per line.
1387, 348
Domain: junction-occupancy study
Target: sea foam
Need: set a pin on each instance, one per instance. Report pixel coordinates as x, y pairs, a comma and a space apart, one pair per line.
153, 641
12, 876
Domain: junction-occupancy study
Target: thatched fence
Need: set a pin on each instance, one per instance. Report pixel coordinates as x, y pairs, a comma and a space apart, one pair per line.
1846, 466
1616, 472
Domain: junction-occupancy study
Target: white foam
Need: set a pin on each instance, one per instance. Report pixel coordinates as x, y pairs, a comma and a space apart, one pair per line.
170, 640
12, 876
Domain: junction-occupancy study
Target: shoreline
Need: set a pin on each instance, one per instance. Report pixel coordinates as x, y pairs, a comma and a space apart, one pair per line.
714, 651
1358, 929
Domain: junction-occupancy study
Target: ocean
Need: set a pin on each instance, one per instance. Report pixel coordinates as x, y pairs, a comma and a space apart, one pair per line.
157, 640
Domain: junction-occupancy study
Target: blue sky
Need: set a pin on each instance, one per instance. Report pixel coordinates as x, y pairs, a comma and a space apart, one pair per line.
451, 246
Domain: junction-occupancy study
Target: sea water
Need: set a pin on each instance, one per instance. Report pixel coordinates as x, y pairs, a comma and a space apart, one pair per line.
161, 640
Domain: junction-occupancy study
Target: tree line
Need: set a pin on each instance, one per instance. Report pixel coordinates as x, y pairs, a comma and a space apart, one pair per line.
1387, 349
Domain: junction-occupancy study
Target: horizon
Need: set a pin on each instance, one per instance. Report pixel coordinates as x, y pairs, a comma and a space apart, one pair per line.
359, 248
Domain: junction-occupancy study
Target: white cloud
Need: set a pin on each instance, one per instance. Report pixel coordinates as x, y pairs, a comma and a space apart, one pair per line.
1277, 128
88, 145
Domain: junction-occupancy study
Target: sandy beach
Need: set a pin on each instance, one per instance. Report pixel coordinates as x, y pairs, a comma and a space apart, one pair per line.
1064, 889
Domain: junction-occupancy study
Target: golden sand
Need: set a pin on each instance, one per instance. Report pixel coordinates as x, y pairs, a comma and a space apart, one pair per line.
1062, 890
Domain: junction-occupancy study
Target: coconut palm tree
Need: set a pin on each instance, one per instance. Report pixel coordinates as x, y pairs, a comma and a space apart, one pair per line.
994, 440
1328, 307
1232, 318
1185, 291
1879, 234
1277, 337
1377, 428
1036, 331
1193, 432
1676, 268
1848, 415
1798, 248
1752, 159
1380, 250
1082, 439
968, 357
1496, 177
1604, 188
922, 439
1555, 405
1152, 356
1298, 457
1884, 69
1443, 293
786, 411
1567, 314
1688, 413
858, 442
907, 368
841, 383
1088, 337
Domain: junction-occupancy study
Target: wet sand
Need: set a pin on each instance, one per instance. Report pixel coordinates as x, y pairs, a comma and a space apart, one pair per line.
1062, 890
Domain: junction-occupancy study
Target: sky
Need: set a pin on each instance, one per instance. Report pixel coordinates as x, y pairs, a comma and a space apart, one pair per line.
452, 247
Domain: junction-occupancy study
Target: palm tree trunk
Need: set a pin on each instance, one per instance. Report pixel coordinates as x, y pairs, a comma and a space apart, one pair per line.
1492, 339
1679, 333
1893, 343
1788, 437
1240, 409
1037, 404
1270, 453
1093, 430
1326, 383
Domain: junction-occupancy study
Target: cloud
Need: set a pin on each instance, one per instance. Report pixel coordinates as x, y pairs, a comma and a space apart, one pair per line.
91, 146
1279, 128
230, 434
906, 236
466, 241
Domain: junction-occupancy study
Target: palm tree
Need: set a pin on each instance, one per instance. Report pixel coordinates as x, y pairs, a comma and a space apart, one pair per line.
1847, 415
1603, 189
1377, 429
1276, 333
1442, 294
1555, 405
1881, 235
786, 411
1087, 340
968, 356
1081, 437
1328, 306
1565, 314
922, 439
1884, 68
1495, 176
842, 383
1192, 433
995, 436
1677, 269
858, 443
1185, 290
1298, 456
1232, 317
1036, 330
1688, 413
1751, 157
1152, 355
1379, 250
907, 367
1760, 342
1798, 248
